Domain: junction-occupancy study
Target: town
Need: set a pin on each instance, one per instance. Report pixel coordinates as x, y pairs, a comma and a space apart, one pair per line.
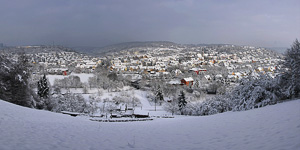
202, 71
189, 65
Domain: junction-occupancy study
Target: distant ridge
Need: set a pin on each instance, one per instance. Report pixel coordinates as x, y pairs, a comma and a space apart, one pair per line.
100, 51
122, 46
278, 49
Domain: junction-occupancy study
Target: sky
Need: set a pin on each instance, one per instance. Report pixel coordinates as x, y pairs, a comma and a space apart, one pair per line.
265, 23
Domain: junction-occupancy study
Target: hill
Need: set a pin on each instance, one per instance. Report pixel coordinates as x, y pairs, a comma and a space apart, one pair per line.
122, 46
37, 49
269, 128
280, 50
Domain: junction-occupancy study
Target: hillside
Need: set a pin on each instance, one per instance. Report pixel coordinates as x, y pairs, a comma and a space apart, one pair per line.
37, 49
101, 51
269, 128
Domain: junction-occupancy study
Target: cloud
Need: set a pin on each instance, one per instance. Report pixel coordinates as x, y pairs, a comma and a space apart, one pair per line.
99, 23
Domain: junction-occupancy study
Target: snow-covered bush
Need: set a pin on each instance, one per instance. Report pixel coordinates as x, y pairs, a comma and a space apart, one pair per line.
91, 107
125, 93
118, 100
69, 102
254, 94
218, 104
250, 94
196, 94
68, 82
171, 107
95, 97
109, 106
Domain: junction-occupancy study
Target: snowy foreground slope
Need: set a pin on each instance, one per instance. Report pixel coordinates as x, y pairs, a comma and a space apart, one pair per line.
269, 128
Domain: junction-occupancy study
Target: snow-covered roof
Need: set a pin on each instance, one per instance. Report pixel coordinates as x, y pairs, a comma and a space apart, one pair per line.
188, 79
197, 69
174, 82
207, 76
219, 76
231, 76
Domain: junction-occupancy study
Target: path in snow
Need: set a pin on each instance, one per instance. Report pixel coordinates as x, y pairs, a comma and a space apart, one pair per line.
146, 106
142, 96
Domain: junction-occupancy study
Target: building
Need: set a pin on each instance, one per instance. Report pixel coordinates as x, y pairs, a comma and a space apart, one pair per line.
197, 70
187, 81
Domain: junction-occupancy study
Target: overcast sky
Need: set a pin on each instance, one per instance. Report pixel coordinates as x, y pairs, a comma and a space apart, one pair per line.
266, 23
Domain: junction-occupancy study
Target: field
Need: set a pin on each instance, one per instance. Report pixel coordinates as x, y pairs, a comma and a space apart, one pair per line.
274, 127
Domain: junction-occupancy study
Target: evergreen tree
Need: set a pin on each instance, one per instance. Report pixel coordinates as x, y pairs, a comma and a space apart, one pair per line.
196, 85
43, 88
291, 78
5, 77
181, 101
14, 76
158, 96
21, 93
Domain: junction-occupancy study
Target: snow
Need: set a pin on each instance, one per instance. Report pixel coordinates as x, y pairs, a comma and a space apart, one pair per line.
189, 79
145, 108
269, 128
51, 78
84, 77
174, 82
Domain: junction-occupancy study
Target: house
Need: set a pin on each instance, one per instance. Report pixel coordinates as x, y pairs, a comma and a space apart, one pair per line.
219, 76
58, 71
207, 77
238, 75
187, 81
197, 70
176, 72
231, 78
174, 82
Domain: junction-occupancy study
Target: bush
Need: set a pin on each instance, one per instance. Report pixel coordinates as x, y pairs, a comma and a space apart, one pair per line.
69, 102
216, 105
252, 93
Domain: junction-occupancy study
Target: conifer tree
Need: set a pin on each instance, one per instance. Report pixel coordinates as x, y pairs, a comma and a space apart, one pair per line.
292, 63
19, 83
43, 88
181, 101
158, 96
196, 85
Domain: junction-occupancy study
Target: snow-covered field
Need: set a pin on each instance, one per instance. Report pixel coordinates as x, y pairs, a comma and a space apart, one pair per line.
274, 127
84, 77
